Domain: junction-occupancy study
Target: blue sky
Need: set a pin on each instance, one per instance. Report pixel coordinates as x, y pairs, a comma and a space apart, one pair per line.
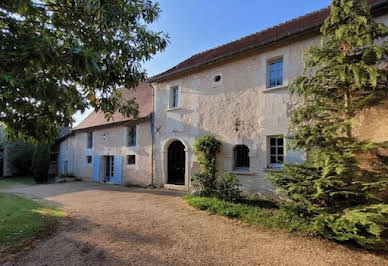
197, 25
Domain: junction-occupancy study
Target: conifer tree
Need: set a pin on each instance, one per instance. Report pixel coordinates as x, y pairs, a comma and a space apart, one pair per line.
346, 75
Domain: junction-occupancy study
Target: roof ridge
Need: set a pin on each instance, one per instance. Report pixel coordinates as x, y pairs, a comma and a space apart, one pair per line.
264, 30
286, 28
244, 37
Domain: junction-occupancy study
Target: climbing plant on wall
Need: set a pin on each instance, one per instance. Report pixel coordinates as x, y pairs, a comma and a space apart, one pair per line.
346, 75
206, 149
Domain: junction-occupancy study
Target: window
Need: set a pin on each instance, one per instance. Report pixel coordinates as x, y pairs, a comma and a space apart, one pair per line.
217, 78
89, 159
90, 140
275, 73
241, 158
174, 97
276, 151
132, 136
131, 159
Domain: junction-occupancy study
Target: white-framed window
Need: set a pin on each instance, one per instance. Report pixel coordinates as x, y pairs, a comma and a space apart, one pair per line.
89, 140
275, 73
131, 136
89, 159
276, 151
174, 97
131, 159
241, 158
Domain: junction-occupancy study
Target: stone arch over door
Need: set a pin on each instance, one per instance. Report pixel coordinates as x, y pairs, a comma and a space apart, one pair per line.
175, 143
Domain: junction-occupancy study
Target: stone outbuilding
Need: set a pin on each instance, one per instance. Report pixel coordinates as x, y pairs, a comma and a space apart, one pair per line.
118, 151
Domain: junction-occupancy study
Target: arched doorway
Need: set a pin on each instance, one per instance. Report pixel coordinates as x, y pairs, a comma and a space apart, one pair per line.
176, 163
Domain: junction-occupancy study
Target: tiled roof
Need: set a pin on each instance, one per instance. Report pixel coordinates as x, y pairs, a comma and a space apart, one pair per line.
290, 28
143, 95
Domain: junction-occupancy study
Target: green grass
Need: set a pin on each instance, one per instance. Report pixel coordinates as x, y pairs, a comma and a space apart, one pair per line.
11, 181
22, 218
267, 214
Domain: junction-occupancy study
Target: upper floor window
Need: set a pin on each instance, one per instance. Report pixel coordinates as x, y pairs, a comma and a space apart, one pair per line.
174, 97
241, 158
90, 140
89, 159
275, 73
276, 151
132, 136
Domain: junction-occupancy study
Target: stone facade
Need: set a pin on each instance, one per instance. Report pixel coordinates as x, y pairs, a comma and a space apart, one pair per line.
109, 141
238, 109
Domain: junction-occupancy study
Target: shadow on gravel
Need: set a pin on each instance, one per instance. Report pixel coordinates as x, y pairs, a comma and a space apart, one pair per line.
52, 190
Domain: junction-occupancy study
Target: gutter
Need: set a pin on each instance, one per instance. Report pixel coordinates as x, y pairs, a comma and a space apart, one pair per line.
152, 133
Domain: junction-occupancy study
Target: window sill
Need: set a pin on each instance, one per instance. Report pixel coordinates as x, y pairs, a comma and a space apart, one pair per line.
277, 88
242, 173
173, 109
273, 169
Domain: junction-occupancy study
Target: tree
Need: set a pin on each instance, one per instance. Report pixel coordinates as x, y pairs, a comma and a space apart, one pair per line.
59, 57
344, 76
41, 162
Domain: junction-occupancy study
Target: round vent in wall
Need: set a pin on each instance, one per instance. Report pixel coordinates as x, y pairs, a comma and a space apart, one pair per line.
217, 78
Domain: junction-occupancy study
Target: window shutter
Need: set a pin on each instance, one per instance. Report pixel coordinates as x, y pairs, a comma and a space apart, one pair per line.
118, 170
96, 168
293, 155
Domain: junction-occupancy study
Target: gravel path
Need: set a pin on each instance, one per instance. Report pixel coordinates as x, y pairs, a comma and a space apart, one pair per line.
110, 225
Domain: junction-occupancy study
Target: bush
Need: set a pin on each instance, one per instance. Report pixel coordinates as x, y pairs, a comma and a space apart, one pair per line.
268, 217
206, 149
366, 226
228, 187
41, 163
19, 156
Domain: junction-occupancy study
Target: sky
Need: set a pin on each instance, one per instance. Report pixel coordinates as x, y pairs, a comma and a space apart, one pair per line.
198, 25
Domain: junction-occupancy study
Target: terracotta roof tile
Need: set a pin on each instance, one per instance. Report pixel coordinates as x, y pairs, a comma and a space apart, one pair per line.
143, 95
253, 41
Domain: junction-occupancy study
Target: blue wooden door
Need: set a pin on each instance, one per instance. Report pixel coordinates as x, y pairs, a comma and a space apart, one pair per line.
118, 170
96, 168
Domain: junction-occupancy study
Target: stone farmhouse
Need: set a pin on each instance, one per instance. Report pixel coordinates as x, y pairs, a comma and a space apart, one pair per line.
237, 92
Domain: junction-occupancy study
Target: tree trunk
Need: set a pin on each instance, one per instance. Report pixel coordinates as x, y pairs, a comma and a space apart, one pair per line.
347, 114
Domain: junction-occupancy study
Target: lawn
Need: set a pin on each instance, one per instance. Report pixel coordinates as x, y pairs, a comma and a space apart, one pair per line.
261, 213
22, 218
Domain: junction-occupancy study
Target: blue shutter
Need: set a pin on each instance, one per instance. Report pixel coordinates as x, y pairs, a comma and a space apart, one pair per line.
96, 168
118, 170
293, 155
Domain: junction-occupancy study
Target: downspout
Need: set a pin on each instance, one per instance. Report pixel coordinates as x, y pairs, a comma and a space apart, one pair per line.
152, 132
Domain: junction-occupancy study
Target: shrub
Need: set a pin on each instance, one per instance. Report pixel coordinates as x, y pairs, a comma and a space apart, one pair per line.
19, 156
206, 149
228, 187
365, 225
41, 163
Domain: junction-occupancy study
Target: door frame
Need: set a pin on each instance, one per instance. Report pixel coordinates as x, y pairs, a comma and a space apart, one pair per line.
166, 145
103, 166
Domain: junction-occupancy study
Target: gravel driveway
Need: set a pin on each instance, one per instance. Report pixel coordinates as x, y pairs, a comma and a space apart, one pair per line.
110, 225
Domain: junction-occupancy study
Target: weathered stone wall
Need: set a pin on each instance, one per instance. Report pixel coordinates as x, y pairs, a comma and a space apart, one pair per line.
114, 143
206, 107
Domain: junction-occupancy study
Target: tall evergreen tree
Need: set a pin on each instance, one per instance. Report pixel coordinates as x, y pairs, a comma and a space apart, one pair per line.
344, 76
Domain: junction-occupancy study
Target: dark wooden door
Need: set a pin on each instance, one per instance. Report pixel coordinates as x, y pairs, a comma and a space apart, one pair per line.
176, 163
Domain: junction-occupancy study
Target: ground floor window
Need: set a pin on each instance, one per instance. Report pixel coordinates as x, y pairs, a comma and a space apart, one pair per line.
89, 159
131, 159
276, 151
241, 158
